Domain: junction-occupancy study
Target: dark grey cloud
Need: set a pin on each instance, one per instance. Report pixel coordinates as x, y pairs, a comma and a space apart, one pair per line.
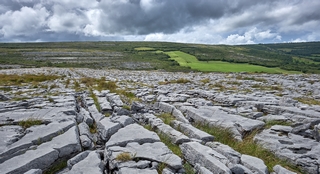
166, 16
209, 21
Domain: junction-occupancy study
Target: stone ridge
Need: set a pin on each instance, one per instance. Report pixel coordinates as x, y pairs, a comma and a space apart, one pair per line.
138, 127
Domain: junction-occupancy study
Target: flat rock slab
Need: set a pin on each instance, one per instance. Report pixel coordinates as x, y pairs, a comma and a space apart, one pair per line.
193, 132
254, 164
91, 164
107, 128
296, 149
233, 156
156, 151
132, 133
214, 116
36, 135
175, 136
127, 170
195, 153
45, 154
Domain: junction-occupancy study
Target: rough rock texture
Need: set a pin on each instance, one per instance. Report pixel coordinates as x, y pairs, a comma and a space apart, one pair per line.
91, 129
205, 156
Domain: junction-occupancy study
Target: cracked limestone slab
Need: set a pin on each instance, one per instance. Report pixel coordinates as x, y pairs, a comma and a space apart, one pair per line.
195, 152
156, 151
132, 133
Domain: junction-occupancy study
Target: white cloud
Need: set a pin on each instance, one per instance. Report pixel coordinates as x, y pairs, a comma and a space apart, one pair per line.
27, 21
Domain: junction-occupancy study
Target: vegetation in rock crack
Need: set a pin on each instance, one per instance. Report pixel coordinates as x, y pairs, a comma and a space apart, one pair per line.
30, 122
188, 168
161, 167
166, 117
93, 128
107, 85
247, 146
308, 100
56, 167
271, 123
124, 156
126, 107
173, 147
14, 79
95, 100
205, 81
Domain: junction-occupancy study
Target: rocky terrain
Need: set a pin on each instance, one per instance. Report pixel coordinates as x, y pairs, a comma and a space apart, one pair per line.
154, 122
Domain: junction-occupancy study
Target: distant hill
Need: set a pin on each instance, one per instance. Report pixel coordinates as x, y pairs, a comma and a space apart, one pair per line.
303, 57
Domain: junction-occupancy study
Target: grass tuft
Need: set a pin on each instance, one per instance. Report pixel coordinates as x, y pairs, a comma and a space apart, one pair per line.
247, 146
30, 122
124, 156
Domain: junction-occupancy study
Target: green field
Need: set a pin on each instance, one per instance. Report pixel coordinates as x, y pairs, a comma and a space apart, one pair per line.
273, 58
188, 60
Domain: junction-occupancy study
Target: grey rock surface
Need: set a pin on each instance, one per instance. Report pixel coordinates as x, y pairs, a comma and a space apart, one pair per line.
91, 164
254, 164
132, 133
195, 153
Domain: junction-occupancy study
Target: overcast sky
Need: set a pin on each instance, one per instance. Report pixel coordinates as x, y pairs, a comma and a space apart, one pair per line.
192, 21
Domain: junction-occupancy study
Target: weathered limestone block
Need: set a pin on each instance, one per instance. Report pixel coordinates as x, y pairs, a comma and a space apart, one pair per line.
34, 171
115, 100
192, 132
156, 151
91, 164
132, 133
233, 156
213, 116
122, 119
107, 128
175, 136
77, 158
126, 170
254, 164
195, 153
36, 135
281, 170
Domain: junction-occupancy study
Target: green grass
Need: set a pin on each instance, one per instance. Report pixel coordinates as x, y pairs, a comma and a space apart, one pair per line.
144, 49
166, 118
308, 100
56, 167
30, 122
188, 60
25, 78
247, 146
271, 123
124, 156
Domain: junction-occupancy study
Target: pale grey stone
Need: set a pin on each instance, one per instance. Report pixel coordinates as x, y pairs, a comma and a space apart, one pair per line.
192, 132
114, 99
36, 136
281, 170
175, 136
132, 133
200, 169
40, 158
34, 171
84, 130
85, 141
77, 158
91, 164
233, 156
142, 164
126, 170
240, 169
195, 153
122, 119
213, 116
156, 151
104, 105
254, 164
107, 128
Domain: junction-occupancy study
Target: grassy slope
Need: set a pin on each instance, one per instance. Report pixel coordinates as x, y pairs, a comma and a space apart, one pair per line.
188, 60
303, 57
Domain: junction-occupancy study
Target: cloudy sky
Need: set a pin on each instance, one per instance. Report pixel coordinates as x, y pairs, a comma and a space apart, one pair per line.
192, 21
